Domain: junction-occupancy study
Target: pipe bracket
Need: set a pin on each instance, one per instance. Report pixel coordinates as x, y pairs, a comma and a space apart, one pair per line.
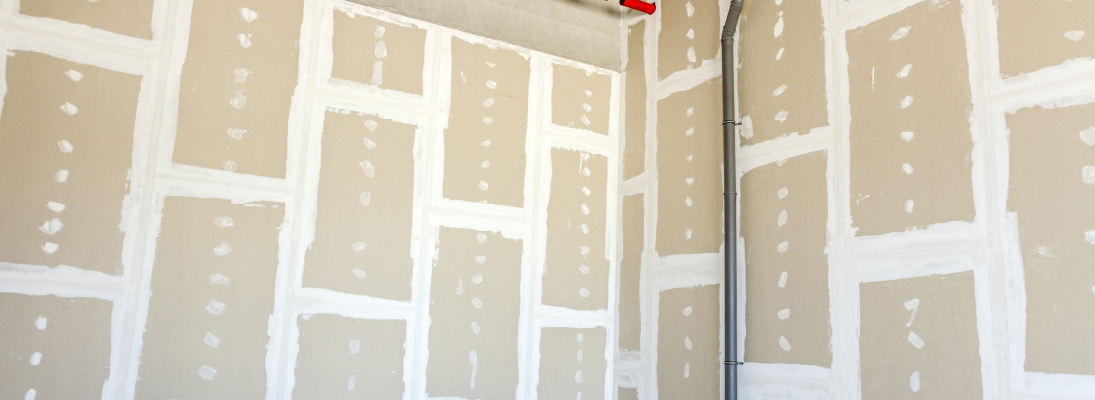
733, 363
732, 122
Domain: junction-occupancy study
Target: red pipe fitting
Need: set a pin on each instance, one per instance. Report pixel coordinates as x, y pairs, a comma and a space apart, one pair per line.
639, 5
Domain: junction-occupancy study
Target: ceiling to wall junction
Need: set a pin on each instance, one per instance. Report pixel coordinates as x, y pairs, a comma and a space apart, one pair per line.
582, 30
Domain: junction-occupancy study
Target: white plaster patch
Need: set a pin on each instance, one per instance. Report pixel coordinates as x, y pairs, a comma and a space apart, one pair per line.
249, 15
784, 344
223, 222
50, 247
782, 220
907, 136
223, 249
244, 39
35, 359
1074, 36
367, 167
371, 125
41, 323
779, 90
351, 383
689, 8
914, 382
687, 343
1089, 175
476, 302
687, 311
907, 168
207, 372
359, 273
901, 33
70, 109
1088, 136
782, 248
779, 54
781, 116
691, 34
777, 31
783, 279
355, 346
904, 73
30, 394
784, 313
916, 340
365, 198
74, 75
218, 279
211, 340
583, 292
1089, 236
359, 246
65, 146
782, 193
909, 204
906, 102
61, 176
746, 129
215, 307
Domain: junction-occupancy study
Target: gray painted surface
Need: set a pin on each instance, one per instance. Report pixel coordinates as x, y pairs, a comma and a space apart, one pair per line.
582, 30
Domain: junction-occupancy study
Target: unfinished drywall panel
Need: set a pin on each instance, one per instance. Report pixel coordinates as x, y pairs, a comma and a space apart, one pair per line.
918, 338
348, 358
1052, 189
785, 65
690, 171
580, 98
129, 18
631, 263
212, 296
1039, 34
488, 121
366, 181
53, 347
689, 356
910, 129
576, 271
635, 97
786, 262
572, 363
66, 149
475, 306
627, 394
365, 47
690, 34
237, 85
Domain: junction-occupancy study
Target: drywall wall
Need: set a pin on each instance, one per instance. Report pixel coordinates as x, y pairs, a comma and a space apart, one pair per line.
327, 237
931, 149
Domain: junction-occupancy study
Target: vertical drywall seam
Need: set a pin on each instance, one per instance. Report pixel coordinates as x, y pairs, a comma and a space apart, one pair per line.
985, 69
164, 31
845, 295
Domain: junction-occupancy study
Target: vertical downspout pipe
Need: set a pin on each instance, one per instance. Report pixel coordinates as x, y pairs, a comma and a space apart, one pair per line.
730, 202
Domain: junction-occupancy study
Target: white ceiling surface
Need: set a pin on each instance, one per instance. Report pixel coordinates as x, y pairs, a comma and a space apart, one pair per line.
582, 30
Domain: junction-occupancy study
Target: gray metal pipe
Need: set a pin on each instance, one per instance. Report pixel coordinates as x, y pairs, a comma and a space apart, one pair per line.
730, 204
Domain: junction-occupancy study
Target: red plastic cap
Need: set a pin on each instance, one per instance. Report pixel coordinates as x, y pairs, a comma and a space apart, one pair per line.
639, 5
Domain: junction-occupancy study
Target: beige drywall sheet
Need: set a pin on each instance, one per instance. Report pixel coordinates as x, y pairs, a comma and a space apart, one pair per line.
1039, 34
348, 358
365, 204
53, 347
627, 394
475, 306
1052, 190
689, 359
212, 296
690, 171
910, 130
125, 17
365, 47
580, 98
918, 339
630, 272
783, 69
576, 274
488, 122
572, 363
635, 101
66, 150
786, 262
690, 34
237, 85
